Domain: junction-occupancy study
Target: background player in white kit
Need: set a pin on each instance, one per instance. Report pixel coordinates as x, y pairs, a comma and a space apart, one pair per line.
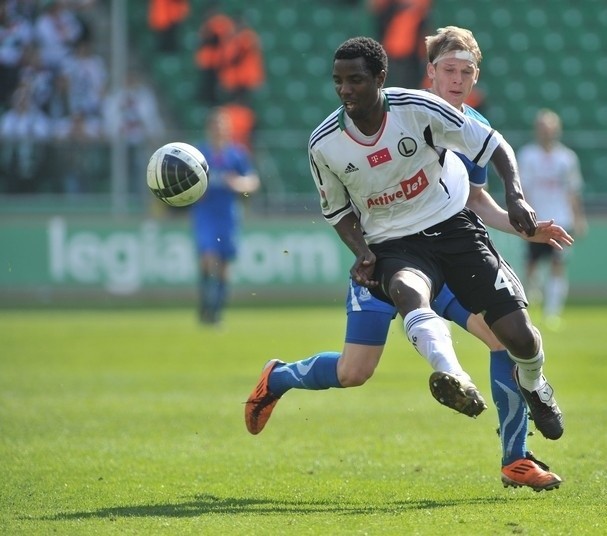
552, 180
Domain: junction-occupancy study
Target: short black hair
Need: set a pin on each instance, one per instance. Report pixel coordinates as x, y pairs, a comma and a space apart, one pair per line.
367, 48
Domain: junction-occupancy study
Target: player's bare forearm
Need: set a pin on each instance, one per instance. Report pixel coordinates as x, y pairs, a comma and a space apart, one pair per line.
351, 234
522, 216
490, 212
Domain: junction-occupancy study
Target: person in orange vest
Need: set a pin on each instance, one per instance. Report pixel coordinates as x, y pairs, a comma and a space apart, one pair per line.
165, 18
243, 70
210, 57
401, 26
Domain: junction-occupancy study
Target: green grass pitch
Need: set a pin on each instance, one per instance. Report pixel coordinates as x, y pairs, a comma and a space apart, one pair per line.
131, 422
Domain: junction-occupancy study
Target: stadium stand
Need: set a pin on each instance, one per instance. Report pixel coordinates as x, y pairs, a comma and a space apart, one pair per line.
536, 55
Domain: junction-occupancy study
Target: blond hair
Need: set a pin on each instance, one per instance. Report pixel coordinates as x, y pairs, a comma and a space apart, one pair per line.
549, 119
450, 39
548, 116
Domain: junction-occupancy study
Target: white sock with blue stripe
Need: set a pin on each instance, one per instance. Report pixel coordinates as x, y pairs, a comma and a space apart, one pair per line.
431, 338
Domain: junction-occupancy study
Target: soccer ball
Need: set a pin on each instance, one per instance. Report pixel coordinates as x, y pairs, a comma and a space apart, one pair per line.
178, 174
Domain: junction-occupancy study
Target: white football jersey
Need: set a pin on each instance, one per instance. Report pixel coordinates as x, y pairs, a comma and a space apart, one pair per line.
399, 184
549, 179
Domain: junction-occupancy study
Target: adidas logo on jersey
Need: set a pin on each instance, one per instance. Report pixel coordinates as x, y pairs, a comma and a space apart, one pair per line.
350, 168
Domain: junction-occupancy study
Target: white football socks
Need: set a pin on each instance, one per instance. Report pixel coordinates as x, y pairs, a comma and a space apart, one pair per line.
530, 370
431, 337
555, 295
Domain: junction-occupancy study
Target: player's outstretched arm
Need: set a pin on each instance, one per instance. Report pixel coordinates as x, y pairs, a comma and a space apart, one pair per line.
494, 216
548, 232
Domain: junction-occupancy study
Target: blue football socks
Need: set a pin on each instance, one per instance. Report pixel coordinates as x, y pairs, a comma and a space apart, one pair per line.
511, 407
213, 293
220, 298
315, 373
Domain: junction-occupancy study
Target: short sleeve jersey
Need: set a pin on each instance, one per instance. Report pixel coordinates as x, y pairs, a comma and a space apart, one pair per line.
549, 179
396, 184
231, 159
476, 174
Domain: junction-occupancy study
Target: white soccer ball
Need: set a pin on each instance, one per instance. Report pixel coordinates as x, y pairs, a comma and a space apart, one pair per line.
178, 174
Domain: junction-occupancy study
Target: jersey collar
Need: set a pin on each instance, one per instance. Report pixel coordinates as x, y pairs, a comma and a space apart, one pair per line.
342, 112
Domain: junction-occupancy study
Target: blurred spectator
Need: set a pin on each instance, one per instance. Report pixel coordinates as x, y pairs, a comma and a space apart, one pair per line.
16, 35
39, 79
59, 106
86, 11
25, 131
242, 70
401, 28
215, 31
85, 76
79, 157
132, 114
165, 18
57, 29
230, 59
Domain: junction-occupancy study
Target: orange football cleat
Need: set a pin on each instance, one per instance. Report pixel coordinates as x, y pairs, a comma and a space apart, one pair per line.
261, 402
530, 472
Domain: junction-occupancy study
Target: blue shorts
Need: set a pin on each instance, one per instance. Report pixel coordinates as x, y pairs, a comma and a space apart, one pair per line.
369, 318
215, 236
222, 245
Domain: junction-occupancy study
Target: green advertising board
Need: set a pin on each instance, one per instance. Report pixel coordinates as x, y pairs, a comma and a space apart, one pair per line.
287, 259
62, 256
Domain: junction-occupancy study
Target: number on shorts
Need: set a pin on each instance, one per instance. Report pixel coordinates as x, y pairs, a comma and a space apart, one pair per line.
501, 281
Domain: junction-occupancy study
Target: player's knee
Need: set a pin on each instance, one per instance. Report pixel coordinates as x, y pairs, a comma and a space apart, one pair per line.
355, 376
522, 342
524, 345
518, 335
408, 291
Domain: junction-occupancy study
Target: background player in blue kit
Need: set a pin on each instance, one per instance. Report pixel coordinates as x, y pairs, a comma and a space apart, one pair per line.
369, 318
216, 217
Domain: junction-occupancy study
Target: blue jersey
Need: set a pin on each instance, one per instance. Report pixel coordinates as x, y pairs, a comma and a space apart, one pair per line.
216, 216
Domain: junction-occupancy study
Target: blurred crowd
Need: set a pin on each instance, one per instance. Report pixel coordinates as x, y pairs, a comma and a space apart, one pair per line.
55, 93
56, 113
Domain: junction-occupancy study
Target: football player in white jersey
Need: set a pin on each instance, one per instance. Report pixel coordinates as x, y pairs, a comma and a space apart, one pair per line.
261, 401
550, 173
368, 318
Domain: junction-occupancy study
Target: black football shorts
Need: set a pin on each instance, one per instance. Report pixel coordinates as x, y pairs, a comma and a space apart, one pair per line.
458, 252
